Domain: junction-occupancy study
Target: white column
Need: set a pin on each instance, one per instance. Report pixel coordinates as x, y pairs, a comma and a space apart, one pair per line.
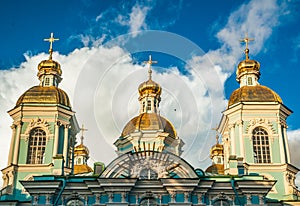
17, 143
186, 197
12, 142
261, 199
286, 144
232, 139
56, 133
241, 139
281, 146
66, 141
249, 198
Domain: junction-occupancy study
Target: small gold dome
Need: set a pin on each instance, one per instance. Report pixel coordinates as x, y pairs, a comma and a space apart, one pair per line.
81, 150
216, 169
256, 93
247, 66
49, 66
149, 121
216, 150
149, 87
44, 95
80, 169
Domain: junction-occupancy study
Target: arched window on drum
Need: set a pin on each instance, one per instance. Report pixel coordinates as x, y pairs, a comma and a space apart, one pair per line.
261, 148
36, 146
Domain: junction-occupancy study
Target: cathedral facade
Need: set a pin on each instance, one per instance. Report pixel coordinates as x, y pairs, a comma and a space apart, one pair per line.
250, 166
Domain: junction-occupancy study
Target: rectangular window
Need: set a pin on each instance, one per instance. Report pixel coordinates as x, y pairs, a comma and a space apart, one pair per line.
47, 81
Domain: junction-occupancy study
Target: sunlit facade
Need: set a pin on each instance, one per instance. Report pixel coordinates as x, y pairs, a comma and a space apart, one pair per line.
250, 165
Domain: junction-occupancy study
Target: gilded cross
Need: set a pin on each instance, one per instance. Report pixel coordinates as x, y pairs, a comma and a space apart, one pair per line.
51, 40
217, 136
150, 62
246, 39
82, 129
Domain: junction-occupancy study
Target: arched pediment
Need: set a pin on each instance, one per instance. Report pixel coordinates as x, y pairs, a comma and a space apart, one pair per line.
159, 164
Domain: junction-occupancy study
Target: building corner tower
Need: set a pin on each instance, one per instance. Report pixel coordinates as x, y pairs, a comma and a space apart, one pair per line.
43, 131
253, 129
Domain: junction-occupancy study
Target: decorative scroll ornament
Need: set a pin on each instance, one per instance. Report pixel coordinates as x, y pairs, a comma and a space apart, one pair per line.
260, 122
43, 124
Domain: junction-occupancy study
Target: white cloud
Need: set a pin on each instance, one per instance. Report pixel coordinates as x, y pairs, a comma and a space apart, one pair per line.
95, 79
137, 19
294, 144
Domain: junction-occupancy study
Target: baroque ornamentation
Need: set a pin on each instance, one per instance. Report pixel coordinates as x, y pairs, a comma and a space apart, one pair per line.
37, 123
260, 122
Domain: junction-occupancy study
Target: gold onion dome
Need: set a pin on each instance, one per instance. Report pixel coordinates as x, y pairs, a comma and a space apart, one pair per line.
256, 93
217, 149
49, 66
149, 87
49, 74
81, 150
149, 122
251, 91
247, 66
44, 95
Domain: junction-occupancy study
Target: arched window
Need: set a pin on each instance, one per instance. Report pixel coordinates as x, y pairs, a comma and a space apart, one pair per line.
261, 147
148, 201
36, 146
148, 174
221, 203
75, 202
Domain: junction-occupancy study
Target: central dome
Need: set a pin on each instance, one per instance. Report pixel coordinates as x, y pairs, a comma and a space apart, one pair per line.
149, 122
44, 95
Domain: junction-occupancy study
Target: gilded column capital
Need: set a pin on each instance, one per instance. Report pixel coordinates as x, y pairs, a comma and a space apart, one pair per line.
13, 126
230, 126
67, 126
18, 123
239, 122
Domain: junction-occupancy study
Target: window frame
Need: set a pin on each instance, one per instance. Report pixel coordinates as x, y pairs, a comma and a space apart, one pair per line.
261, 146
36, 146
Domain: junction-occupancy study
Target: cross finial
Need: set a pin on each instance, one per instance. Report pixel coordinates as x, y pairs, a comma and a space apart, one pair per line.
246, 39
217, 136
51, 40
82, 129
150, 62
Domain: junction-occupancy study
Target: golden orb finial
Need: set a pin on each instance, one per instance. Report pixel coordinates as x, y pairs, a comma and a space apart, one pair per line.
51, 40
246, 39
150, 62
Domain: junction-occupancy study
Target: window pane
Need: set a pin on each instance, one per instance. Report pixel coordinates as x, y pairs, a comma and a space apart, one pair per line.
36, 146
261, 148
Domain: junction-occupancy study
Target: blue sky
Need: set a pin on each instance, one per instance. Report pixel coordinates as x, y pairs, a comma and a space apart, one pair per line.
207, 28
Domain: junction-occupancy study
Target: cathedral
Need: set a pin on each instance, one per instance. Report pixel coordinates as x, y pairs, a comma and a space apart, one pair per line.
250, 164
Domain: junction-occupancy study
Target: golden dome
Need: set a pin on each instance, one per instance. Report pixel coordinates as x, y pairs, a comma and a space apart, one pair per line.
216, 169
256, 93
44, 95
81, 150
149, 121
247, 66
149, 87
216, 150
49, 66
79, 169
